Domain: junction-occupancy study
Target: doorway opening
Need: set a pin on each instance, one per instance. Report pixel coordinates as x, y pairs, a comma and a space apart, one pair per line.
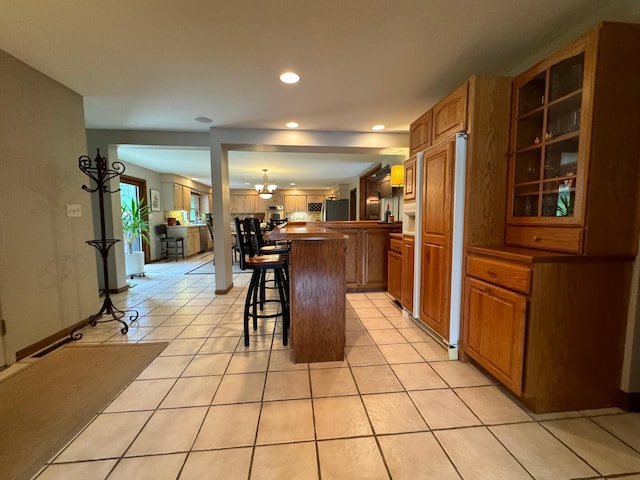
132, 188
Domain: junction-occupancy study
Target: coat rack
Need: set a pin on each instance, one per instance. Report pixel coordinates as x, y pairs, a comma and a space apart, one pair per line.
101, 174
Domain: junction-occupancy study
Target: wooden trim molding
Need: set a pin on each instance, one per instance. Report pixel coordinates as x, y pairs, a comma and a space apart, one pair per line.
225, 291
31, 349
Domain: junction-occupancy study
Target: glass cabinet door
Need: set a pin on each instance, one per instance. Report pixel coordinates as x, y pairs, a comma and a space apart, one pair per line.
544, 151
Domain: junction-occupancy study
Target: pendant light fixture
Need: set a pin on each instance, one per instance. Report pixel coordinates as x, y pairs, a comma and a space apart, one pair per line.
265, 190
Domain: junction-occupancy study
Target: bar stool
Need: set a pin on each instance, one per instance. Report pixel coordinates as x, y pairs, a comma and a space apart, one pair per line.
256, 294
263, 248
169, 246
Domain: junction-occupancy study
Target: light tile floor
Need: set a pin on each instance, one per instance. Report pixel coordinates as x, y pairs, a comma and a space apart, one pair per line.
396, 407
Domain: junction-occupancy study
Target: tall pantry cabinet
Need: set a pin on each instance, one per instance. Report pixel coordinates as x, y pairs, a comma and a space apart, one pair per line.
546, 312
480, 107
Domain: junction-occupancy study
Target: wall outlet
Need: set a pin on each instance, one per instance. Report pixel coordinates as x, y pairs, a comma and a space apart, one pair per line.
74, 210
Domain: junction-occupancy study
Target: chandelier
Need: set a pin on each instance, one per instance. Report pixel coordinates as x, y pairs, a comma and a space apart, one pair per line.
265, 190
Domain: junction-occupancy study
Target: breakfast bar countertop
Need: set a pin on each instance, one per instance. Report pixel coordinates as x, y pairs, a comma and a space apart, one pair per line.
303, 231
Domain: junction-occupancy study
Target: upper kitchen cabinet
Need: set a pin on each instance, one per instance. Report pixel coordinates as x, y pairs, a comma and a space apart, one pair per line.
420, 133
242, 203
295, 203
237, 203
450, 114
573, 166
447, 117
175, 196
410, 180
250, 203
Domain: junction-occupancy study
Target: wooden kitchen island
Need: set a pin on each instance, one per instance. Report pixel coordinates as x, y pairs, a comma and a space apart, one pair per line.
317, 288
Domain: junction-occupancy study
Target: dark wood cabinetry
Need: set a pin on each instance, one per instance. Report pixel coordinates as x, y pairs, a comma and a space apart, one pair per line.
450, 114
573, 167
548, 320
436, 237
549, 326
394, 278
480, 209
420, 133
367, 245
410, 180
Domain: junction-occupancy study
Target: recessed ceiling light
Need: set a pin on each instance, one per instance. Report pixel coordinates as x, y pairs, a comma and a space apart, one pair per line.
203, 119
194, 179
377, 127
293, 125
290, 77
292, 184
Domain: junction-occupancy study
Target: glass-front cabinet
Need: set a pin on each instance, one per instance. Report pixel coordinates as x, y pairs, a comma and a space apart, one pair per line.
545, 144
573, 203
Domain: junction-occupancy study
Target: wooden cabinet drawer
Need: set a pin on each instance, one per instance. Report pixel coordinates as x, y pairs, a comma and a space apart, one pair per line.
395, 245
508, 275
546, 238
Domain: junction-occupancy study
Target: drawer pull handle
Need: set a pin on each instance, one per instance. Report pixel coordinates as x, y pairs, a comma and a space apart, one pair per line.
491, 272
535, 238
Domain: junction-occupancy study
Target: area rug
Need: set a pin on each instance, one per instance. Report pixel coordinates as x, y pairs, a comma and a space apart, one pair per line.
160, 267
43, 406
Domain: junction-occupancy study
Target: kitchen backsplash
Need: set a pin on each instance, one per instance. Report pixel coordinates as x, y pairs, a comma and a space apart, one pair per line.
183, 216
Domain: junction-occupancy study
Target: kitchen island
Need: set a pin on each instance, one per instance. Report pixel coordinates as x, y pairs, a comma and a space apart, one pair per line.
317, 289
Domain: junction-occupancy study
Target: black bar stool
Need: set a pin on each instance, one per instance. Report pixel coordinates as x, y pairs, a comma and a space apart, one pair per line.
281, 249
256, 294
169, 246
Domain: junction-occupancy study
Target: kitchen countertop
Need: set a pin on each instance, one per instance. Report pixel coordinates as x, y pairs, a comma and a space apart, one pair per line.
303, 231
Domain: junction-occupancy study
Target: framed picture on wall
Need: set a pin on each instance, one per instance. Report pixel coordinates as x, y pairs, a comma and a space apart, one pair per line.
154, 200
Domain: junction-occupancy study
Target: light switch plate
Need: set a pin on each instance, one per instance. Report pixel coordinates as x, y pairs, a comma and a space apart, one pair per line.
74, 210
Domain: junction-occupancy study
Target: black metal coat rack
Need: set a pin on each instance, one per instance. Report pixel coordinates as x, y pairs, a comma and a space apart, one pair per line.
98, 170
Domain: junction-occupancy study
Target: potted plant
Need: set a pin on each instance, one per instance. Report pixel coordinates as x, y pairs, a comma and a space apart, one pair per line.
134, 225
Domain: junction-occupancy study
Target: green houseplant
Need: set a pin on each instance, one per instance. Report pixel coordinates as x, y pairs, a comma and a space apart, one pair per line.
134, 225
134, 222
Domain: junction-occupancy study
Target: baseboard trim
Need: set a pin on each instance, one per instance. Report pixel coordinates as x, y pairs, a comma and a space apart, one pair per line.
629, 402
117, 290
45, 342
225, 291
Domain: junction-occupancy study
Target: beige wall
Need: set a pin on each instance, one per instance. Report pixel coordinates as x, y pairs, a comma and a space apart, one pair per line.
48, 275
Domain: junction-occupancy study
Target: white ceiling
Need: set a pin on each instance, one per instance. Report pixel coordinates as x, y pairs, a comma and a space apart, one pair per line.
157, 64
